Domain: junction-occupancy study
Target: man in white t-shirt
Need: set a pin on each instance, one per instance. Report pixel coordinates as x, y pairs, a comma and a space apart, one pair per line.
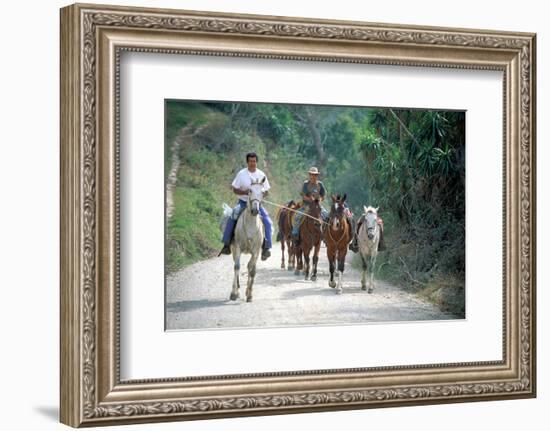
241, 185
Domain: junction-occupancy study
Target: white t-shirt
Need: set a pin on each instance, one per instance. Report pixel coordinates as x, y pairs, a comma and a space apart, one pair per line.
244, 179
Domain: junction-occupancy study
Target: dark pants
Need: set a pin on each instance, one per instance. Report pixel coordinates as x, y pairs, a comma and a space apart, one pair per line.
232, 222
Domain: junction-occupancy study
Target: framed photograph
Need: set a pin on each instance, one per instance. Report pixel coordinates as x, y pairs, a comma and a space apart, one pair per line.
268, 215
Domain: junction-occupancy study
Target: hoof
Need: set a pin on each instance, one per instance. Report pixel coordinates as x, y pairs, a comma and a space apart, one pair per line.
249, 299
297, 272
363, 287
371, 290
233, 296
332, 284
313, 278
339, 291
283, 266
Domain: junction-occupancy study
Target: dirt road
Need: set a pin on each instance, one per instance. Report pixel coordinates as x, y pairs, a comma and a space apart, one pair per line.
198, 297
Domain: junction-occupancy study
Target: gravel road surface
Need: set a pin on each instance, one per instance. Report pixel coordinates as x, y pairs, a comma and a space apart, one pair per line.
197, 297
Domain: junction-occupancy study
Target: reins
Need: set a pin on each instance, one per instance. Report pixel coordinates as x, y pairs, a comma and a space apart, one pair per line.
341, 238
319, 220
307, 215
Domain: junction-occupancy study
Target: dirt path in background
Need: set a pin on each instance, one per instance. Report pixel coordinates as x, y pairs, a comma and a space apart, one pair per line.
172, 179
198, 297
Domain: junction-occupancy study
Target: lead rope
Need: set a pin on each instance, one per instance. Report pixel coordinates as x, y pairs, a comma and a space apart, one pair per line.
290, 209
307, 215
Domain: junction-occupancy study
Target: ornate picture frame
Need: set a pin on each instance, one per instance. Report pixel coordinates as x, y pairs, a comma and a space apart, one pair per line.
92, 39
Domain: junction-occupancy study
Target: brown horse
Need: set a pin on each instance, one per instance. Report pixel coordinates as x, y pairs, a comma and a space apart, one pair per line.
284, 221
337, 236
311, 232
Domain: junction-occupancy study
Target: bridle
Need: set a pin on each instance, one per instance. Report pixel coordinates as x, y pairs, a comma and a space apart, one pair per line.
340, 215
251, 201
371, 229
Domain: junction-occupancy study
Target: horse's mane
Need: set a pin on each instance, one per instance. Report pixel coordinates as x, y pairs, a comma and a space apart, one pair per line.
291, 204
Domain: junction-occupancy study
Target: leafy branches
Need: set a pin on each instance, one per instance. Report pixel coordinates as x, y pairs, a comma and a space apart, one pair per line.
414, 163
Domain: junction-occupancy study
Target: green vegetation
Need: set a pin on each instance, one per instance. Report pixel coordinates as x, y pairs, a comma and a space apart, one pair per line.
210, 156
416, 171
410, 163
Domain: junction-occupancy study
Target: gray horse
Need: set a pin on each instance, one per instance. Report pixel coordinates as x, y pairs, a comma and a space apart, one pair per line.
367, 239
249, 236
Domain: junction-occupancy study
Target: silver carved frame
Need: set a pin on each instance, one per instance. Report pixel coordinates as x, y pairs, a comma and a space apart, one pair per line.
92, 38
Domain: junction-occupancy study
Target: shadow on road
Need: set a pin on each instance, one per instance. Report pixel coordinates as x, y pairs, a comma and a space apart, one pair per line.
176, 307
282, 275
311, 291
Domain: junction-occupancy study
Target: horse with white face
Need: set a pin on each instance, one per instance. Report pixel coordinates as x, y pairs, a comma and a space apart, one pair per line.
249, 236
367, 239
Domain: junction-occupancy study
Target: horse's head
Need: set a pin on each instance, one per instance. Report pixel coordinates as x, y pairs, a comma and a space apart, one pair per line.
315, 208
371, 220
337, 210
255, 196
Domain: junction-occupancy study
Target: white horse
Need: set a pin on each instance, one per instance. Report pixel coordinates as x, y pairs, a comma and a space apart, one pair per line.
249, 236
367, 239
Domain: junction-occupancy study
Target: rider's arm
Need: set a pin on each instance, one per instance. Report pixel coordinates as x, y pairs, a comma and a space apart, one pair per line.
238, 191
237, 185
304, 194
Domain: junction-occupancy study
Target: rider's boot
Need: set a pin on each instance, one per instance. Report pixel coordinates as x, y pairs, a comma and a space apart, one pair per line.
265, 251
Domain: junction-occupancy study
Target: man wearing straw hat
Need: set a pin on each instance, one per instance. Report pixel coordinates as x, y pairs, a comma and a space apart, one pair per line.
311, 190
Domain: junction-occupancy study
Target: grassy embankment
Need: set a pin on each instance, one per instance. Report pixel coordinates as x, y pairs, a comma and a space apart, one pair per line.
209, 162
410, 264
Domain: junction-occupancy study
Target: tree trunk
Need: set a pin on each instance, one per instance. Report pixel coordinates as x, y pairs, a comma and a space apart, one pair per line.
308, 118
316, 137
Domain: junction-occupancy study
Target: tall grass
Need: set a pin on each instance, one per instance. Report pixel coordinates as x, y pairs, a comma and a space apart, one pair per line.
204, 179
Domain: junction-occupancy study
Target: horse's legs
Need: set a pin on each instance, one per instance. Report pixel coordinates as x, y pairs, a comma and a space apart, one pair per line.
290, 254
315, 260
331, 265
283, 253
331, 258
306, 261
291, 257
364, 273
299, 264
371, 284
341, 262
299, 259
251, 275
236, 268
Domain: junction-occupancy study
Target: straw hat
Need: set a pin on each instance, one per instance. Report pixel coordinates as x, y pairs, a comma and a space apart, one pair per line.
313, 170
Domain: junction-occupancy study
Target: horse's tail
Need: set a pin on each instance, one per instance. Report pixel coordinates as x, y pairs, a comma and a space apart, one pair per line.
278, 212
281, 216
